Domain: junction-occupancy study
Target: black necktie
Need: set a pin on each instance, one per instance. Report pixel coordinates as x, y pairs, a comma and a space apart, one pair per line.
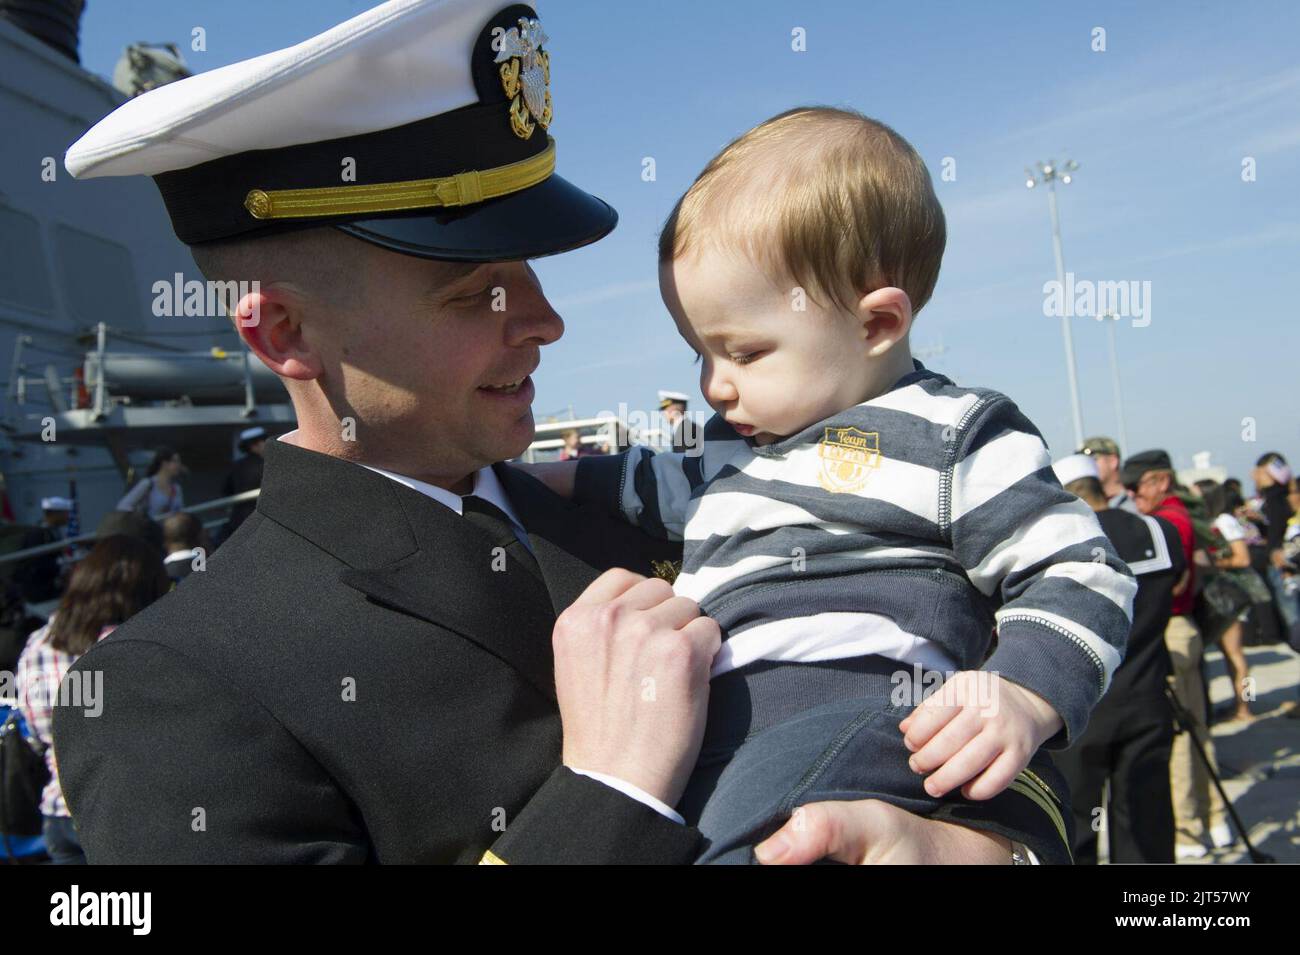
497, 525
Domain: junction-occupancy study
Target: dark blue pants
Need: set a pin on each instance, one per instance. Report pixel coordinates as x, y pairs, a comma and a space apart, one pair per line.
1129, 746
783, 735
61, 841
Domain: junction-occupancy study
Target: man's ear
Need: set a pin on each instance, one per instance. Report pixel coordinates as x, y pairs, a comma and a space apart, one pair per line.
886, 316
270, 323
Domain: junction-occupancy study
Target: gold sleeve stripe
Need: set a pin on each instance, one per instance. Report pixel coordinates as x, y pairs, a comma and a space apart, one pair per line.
491, 858
461, 189
1034, 778
1035, 795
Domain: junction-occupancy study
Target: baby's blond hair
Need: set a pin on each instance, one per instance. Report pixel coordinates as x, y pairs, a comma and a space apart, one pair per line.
837, 201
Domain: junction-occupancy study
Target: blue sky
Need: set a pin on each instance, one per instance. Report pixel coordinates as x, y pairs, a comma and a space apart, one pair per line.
1160, 123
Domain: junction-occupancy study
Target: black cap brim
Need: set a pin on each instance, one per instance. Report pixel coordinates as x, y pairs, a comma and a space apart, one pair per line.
551, 217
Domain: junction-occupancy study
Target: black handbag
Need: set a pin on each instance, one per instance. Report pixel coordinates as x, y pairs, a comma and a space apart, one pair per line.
23, 775
1225, 598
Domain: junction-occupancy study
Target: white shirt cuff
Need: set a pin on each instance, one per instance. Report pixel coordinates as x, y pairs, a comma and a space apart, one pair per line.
633, 792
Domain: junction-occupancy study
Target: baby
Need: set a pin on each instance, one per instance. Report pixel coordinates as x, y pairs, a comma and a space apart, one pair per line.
860, 527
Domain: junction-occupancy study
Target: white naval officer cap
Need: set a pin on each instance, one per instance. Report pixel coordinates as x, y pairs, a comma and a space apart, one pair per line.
667, 398
1073, 467
56, 504
440, 108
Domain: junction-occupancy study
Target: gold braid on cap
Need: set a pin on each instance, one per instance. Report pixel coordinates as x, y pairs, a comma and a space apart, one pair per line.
462, 189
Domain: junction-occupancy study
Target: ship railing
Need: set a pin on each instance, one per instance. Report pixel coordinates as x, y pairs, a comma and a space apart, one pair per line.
102, 401
59, 392
62, 393
607, 431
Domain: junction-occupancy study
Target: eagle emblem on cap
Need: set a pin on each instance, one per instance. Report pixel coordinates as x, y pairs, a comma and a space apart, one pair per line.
526, 76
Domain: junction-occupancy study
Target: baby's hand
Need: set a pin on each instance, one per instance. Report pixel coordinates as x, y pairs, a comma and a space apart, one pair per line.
978, 730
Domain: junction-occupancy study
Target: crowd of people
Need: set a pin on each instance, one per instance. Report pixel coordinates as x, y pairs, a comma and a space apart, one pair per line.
142, 549
675, 434
1213, 567
119, 577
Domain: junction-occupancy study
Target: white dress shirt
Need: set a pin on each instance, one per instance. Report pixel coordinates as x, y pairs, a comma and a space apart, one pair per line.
488, 486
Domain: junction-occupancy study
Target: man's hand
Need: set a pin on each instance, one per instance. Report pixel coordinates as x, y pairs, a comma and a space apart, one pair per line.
977, 731
871, 832
632, 678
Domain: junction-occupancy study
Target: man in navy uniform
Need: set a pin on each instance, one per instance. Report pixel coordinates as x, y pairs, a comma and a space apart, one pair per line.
387, 690
1105, 452
41, 578
1131, 732
678, 433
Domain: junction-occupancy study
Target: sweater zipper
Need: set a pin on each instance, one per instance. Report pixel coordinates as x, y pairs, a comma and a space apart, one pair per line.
622, 479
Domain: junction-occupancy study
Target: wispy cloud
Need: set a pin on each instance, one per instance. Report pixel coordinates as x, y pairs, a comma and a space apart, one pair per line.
1274, 141
604, 293
1000, 205
639, 359
1283, 233
944, 303
1233, 98
1109, 104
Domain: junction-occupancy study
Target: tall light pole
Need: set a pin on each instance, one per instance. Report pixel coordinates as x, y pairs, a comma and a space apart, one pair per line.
1048, 173
1111, 320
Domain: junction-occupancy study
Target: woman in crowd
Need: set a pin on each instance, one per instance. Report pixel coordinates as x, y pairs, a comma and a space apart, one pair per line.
119, 578
1291, 539
572, 449
1273, 482
159, 493
1233, 559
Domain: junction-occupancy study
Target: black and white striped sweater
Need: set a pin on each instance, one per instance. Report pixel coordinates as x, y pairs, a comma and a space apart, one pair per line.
911, 526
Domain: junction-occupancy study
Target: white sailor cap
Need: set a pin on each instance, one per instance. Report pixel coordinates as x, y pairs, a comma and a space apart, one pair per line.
1075, 466
419, 125
667, 398
55, 504
251, 434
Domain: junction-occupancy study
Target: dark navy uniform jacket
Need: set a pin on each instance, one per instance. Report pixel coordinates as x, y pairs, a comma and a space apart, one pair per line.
349, 680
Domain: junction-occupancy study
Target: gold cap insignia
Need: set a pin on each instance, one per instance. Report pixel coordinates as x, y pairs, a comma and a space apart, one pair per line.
666, 569
526, 76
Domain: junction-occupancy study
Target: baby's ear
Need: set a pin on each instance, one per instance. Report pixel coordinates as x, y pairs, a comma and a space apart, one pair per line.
886, 316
